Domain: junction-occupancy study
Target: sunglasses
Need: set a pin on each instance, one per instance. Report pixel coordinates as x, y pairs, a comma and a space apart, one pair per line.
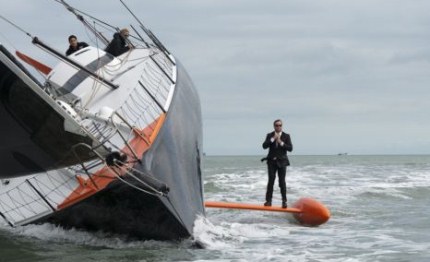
278, 125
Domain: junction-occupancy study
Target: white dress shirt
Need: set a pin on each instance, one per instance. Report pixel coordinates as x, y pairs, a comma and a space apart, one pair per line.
273, 140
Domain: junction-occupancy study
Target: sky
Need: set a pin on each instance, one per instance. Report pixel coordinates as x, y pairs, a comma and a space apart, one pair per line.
345, 76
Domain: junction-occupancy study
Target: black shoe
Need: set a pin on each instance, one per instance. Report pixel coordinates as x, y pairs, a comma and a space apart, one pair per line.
284, 204
268, 204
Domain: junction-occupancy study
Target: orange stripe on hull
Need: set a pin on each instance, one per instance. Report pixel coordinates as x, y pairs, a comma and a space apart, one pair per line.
140, 144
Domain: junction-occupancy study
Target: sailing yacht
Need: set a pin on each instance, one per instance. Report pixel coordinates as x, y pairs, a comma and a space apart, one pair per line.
104, 143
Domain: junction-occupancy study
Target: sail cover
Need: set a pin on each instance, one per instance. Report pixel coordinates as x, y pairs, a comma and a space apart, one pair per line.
36, 134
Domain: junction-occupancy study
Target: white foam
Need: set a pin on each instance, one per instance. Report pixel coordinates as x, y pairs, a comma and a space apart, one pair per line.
50, 232
211, 236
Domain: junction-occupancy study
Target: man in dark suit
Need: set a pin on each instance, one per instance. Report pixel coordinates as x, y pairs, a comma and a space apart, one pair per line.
278, 143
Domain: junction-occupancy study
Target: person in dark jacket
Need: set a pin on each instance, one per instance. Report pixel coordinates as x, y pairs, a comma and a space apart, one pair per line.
278, 143
75, 45
119, 44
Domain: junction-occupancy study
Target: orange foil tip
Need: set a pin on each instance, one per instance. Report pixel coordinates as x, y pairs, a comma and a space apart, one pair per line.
313, 213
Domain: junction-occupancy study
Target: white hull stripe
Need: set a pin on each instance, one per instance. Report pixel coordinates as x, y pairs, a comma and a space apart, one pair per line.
81, 75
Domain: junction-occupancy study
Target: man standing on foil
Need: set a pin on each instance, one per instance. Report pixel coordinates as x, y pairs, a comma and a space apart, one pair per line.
278, 143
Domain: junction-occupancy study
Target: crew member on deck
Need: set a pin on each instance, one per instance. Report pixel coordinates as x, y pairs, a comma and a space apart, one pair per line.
278, 143
119, 44
75, 45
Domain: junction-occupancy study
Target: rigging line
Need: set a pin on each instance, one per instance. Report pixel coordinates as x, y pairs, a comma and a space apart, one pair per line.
97, 33
149, 33
86, 24
103, 133
97, 42
92, 17
25, 32
91, 36
130, 171
151, 36
96, 86
94, 90
156, 193
16, 26
137, 33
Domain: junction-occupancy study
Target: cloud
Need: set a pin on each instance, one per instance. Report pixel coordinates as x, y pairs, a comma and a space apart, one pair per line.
346, 76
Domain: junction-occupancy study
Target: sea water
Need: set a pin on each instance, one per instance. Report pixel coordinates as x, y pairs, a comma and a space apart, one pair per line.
379, 212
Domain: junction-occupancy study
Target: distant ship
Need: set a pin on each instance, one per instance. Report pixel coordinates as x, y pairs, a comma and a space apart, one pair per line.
342, 154
106, 143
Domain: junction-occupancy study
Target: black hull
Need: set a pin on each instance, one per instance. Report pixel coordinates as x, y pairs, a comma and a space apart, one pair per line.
122, 210
174, 159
